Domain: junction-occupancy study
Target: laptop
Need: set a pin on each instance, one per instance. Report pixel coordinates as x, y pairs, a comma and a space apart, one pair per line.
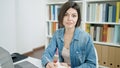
7, 62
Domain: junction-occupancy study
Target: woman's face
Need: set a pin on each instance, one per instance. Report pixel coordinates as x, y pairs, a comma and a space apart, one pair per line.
70, 18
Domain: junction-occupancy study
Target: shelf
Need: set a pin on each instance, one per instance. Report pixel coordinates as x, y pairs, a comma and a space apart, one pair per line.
100, 66
52, 21
107, 44
79, 1
111, 23
96, 1
103, 43
56, 3
62, 2
49, 36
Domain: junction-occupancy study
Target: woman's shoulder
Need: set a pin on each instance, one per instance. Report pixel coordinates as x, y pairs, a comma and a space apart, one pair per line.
59, 32
81, 32
83, 36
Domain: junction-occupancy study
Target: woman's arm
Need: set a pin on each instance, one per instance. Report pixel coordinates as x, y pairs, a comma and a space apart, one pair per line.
50, 51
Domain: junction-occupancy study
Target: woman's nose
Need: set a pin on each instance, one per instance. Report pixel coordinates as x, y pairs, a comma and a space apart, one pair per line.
69, 17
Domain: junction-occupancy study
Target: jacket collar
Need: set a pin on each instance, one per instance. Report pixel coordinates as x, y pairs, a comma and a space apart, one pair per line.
76, 33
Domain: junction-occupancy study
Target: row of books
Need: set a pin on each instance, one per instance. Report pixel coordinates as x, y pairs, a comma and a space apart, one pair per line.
104, 33
54, 11
52, 27
103, 12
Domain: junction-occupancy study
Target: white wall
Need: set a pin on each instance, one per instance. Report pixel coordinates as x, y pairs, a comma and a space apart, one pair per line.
7, 25
30, 24
22, 24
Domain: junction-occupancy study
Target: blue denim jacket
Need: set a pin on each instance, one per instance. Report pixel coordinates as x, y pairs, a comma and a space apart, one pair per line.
82, 53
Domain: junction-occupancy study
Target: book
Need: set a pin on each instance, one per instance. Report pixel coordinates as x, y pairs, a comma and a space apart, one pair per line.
104, 34
112, 13
98, 33
57, 10
92, 31
106, 12
117, 12
53, 27
116, 34
110, 34
88, 28
52, 8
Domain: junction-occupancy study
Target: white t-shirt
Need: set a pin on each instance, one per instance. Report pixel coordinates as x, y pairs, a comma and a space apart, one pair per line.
66, 55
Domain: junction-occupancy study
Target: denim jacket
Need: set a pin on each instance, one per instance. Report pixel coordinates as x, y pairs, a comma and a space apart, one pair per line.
82, 53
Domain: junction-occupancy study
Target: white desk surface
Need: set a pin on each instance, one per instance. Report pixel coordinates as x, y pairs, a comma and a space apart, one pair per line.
36, 62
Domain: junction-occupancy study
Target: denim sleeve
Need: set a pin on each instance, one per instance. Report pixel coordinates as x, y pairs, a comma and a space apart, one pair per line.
90, 61
49, 52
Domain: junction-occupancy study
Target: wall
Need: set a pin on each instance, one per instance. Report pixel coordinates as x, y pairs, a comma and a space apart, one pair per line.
22, 27
7, 25
30, 24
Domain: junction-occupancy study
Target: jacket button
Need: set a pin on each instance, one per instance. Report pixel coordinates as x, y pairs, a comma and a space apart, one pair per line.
77, 52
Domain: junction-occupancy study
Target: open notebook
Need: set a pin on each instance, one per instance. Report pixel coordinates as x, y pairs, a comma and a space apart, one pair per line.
25, 64
6, 61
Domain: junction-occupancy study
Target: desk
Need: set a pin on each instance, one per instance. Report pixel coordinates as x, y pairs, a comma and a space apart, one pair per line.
36, 62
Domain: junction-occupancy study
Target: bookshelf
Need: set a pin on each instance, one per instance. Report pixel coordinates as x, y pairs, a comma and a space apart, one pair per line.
52, 22
103, 15
101, 24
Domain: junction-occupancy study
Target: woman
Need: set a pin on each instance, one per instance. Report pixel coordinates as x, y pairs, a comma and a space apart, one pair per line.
75, 46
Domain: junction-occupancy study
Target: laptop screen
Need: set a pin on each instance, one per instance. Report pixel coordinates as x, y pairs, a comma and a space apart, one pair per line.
5, 59
0, 66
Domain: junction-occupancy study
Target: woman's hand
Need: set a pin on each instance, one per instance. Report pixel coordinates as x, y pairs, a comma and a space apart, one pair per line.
65, 65
51, 65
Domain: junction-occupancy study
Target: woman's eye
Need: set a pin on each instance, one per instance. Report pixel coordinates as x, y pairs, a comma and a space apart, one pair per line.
73, 15
66, 14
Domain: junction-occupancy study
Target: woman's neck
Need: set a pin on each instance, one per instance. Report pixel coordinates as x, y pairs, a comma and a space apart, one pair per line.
69, 30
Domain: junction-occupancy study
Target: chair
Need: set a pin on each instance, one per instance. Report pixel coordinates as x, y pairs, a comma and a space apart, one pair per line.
97, 64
